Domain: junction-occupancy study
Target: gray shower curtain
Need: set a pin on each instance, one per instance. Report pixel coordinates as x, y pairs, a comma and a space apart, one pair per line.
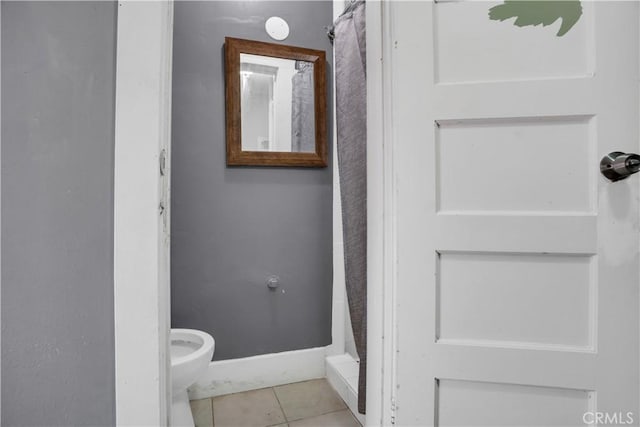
351, 117
303, 135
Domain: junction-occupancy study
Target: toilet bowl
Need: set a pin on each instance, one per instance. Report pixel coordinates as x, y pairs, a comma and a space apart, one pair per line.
191, 352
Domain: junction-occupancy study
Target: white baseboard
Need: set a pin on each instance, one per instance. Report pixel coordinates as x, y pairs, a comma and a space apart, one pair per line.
267, 370
342, 374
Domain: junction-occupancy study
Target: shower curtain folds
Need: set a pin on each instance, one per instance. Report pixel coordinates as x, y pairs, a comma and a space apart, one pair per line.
351, 122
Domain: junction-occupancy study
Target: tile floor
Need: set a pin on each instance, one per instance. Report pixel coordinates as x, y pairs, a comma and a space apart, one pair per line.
306, 404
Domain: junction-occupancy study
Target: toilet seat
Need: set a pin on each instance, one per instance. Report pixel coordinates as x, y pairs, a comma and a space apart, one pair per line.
204, 341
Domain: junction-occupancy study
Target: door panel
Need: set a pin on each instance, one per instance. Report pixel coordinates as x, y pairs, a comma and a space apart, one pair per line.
463, 403
516, 300
521, 145
502, 299
469, 48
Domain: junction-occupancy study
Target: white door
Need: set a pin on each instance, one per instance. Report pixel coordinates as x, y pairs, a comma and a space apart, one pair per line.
516, 298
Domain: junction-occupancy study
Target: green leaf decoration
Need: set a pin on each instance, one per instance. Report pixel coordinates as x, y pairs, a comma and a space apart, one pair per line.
536, 12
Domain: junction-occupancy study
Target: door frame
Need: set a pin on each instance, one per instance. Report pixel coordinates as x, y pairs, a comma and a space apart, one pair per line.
138, 310
381, 218
141, 266
141, 355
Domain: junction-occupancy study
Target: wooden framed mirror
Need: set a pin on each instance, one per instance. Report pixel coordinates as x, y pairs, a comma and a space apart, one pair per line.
275, 104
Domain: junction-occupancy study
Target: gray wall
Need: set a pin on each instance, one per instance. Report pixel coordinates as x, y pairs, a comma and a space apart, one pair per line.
58, 87
232, 227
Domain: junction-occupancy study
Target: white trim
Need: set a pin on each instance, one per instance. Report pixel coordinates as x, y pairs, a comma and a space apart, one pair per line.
141, 279
0, 204
266, 370
381, 280
342, 374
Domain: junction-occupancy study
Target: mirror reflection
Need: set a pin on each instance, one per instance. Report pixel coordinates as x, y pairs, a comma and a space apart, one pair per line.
276, 104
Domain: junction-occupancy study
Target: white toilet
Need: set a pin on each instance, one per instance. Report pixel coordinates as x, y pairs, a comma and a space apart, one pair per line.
191, 352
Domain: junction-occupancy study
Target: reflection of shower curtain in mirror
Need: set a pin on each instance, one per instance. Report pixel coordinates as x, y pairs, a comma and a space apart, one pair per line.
302, 118
351, 122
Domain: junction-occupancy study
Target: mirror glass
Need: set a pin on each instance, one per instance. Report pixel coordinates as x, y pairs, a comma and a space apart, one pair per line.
277, 104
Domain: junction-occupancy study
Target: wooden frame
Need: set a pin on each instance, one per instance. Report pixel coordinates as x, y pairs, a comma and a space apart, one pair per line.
235, 155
